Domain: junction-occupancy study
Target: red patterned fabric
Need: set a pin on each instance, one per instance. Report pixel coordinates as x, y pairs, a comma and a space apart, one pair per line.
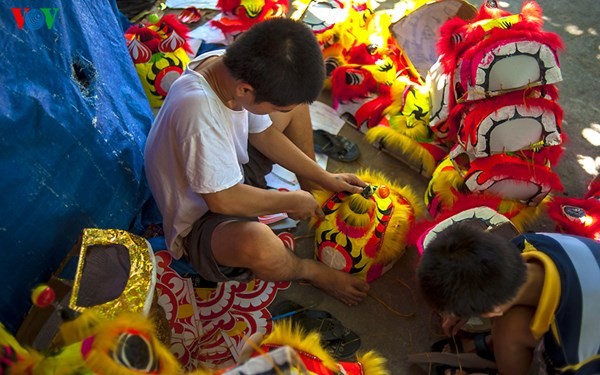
208, 325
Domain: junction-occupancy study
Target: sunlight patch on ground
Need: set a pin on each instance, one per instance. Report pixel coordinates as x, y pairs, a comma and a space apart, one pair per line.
589, 164
573, 30
549, 20
592, 31
592, 134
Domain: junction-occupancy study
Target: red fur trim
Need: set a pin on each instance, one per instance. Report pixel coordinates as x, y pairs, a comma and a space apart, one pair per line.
342, 91
464, 202
359, 54
372, 111
446, 45
486, 13
231, 25
508, 166
148, 37
437, 150
533, 12
475, 112
452, 123
547, 155
593, 188
458, 38
589, 229
228, 6
240, 21
170, 23
518, 32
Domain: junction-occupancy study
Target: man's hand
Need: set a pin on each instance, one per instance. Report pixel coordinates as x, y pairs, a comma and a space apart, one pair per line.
304, 206
343, 182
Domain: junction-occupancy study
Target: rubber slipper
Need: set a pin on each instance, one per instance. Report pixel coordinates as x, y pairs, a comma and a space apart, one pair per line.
482, 360
335, 146
345, 348
339, 341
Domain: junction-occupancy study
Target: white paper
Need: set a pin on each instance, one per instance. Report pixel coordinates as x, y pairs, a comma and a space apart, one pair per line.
325, 118
281, 178
200, 4
209, 33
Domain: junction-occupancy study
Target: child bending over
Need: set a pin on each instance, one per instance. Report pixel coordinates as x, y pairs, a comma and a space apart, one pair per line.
542, 291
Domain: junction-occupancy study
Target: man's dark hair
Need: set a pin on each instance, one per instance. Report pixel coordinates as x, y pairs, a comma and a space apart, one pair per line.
466, 271
281, 59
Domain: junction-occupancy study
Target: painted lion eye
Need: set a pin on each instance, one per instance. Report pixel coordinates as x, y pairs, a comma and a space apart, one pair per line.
456, 39
573, 212
353, 78
331, 63
386, 66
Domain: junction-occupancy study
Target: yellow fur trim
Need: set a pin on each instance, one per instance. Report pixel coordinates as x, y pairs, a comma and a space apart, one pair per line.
105, 342
84, 326
358, 213
402, 147
373, 364
27, 357
287, 333
522, 215
409, 112
446, 179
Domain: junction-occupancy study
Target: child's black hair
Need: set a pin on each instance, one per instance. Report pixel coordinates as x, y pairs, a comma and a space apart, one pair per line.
466, 271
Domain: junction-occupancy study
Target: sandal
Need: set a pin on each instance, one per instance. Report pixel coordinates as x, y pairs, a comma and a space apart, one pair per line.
481, 361
339, 341
335, 146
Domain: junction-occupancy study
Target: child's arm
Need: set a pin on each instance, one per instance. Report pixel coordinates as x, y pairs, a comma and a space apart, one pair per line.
513, 342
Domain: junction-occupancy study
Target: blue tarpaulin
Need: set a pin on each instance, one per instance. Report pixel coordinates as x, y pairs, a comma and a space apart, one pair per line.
73, 123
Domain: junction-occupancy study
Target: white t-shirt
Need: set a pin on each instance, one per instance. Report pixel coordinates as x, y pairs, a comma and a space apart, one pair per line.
195, 146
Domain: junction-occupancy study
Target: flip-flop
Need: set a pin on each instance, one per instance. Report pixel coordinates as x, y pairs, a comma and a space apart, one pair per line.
339, 341
481, 361
335, 146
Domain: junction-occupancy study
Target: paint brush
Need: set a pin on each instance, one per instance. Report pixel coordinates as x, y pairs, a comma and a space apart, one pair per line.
290, 313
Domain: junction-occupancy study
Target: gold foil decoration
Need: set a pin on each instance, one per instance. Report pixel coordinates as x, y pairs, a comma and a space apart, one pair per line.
139, 288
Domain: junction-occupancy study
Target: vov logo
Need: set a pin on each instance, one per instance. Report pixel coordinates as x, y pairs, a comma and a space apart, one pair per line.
34, 18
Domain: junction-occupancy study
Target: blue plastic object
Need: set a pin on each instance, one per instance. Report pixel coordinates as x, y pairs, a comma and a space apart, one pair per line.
73, 124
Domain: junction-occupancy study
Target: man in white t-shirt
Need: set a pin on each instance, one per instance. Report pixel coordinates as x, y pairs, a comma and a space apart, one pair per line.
199, 142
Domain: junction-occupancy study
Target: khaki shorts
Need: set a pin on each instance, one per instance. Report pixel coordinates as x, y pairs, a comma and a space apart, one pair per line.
198, 242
